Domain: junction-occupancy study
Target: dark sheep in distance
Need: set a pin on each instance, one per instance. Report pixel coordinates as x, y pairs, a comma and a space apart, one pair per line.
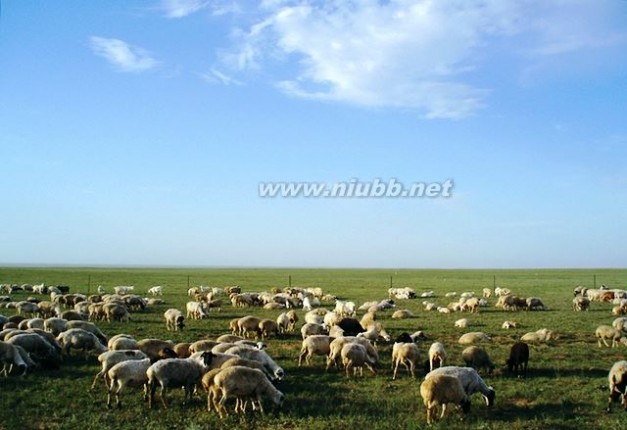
518, 358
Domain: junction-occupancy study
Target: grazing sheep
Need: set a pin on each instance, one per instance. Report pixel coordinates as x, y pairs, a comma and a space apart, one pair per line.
477, 358
604, 332
54, 325
473, 337
176, 373
334, 358
267, 328
122, 341
534, 304
310, 329
487, 293
174, 319
263, 357
202, 345
196, 310
44, 351
509, 324
437, 356
156, 290
9, 357
462, 323
111, 358
319, 344
249, 325
618, 384
244, 383
518, 358
351, 326
78, 338
182, 349
620, 324
440, 390
355, 357
153, 347
407, 354
581, 304
125, 373
470, 379
88, 326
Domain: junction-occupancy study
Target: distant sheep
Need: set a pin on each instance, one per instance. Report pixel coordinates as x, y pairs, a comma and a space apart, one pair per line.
605, 332
581, 304
437, 356
314, 345
541, 335
174, 319
440, 390
355, 357
509, 324
462, 323
470, 379
473, 337
402, 314
406, 354
534, 304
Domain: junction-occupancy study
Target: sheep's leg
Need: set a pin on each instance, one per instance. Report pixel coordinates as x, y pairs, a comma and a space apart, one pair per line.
259, 403
163, 394
443, 410
303, 353
395, 369
220, 407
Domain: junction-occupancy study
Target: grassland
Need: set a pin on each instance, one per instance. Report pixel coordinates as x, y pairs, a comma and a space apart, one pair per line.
566, 388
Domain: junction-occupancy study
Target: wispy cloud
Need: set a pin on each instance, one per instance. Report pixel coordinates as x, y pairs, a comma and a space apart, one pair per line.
124, 57
182, 8
418, 54
215, 76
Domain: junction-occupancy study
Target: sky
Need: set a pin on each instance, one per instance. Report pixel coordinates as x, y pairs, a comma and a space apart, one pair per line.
137, 133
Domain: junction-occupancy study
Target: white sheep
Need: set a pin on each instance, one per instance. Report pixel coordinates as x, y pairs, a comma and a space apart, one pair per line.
477, 358
470, 379
157, 290
9, 357
473, 337
111, 358
355, 357
78, 338
509, 324
618, 384
174, 319
620, 324
440, 390
462, 323
402, 314
125, 373
310, 329
407, 354
176, 373
256, 354
245, 383
437, 355
122, 341
334, 358
195, 310
605, 332
314, 345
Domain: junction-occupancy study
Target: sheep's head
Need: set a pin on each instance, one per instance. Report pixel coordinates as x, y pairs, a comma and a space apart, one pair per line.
489, 398
279, 374
206, 357
404, 338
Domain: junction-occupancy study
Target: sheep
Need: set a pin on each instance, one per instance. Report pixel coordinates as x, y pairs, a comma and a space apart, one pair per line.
310, 329
403, 314
518, 358
437, 356
195, 310
250, 353
581, 304
406, 353
477, 358
202, 345
156, 290
116, 312
620, 324
293, 319
462, 323
604, 332
354, 356
122, 341
242, 383
9, 357
174, 319
111, 358
534, 303
249, 324
541, 335
41, 349
78, 338
618, 384
440, 390
282, 322
314, 317
509, 324
153, 347
268, 327
470, 379
336, 345
314, 345
88, 326
487, 293
368, 319
351, 326
177, 372
473, 337
125, 373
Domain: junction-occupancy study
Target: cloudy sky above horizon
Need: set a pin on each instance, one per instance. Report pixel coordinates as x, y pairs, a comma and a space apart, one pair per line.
138, 132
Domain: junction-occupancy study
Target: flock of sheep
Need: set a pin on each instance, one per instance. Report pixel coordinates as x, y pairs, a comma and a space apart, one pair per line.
236, 368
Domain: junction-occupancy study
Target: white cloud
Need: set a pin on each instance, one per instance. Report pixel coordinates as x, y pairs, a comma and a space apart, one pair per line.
415, 54
182, 8
215, 76
123, 56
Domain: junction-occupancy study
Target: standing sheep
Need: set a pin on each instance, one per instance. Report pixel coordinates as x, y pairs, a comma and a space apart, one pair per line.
354, 356
319, 344
440, 390
174, 319
125, 373
78, 338
437, 356
477, 358
604, 332
470, 379
518, 358
406, 353
618, 384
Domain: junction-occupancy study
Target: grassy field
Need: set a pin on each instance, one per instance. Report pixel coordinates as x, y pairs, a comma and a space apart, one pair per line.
566, 387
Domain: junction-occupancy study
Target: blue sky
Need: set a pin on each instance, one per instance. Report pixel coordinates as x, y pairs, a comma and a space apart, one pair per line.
137, 132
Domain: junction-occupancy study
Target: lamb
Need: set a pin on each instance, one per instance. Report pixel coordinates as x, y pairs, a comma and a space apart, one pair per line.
437, 356
470, 379
177, 372
473, 337
9, 357
125, 373
111, 358
354, 356
242, 382
618, 384
518, 358
78, 338
477, 358
604, 332
406, 353
174, 319
439, 390
314, 345
258, 355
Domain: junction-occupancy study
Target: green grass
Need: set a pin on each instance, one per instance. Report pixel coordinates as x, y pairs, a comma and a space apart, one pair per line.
566, 387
